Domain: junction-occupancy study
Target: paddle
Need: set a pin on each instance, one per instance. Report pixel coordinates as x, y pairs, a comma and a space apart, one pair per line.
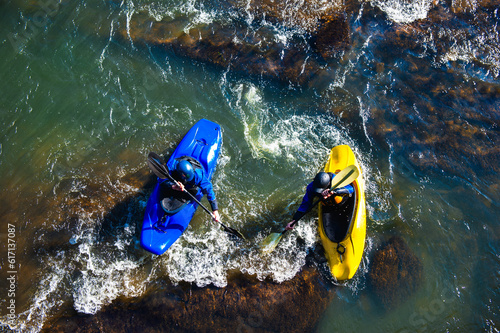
343, 178
154, 163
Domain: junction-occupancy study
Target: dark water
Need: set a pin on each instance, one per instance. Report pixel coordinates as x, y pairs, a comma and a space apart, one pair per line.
416, 96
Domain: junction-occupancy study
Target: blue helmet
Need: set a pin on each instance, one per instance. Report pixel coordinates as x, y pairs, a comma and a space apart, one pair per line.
185, 170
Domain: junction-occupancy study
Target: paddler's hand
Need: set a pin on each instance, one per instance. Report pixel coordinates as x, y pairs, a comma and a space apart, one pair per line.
290, 225
216, 216
326, 193
337, 192
178, 186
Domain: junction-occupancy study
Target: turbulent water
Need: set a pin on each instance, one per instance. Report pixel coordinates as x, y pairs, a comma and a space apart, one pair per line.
83, 102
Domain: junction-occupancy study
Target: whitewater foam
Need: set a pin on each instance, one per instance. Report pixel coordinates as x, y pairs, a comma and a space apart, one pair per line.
402, 11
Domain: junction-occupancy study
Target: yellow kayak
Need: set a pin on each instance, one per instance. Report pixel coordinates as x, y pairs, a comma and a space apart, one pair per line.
342, 227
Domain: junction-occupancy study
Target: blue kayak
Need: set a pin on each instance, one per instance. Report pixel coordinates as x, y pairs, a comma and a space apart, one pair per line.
159, 229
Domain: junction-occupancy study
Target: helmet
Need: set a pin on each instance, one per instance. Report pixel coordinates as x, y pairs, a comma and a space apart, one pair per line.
185, 170
321, 182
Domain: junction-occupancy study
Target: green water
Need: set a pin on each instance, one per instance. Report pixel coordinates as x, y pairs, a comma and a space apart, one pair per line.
80, 105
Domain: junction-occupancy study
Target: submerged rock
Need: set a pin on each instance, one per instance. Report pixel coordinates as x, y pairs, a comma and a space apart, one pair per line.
232, 47
423, 123
253, 46
245, 305
292, 14
325, 22
396, 273
332, 35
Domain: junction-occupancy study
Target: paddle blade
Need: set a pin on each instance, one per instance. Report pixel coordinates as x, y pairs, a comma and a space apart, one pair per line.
154, 163
233, 232
270, 242
345, 177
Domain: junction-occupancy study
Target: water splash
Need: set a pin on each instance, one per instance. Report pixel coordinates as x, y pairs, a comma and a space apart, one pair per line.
199, 258
104, 277
206, 258
403, 11
475, 45
296, 139
45, 301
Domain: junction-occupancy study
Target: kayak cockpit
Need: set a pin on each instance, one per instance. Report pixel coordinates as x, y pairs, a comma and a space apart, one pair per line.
172, 200
338, 218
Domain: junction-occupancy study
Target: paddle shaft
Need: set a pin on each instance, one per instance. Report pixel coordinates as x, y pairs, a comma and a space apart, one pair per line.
199, 203
189, 193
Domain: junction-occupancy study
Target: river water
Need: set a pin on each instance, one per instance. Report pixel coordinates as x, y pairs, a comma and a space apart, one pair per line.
81, 106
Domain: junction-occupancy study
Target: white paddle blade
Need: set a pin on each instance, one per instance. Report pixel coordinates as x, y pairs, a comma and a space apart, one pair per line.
345, 177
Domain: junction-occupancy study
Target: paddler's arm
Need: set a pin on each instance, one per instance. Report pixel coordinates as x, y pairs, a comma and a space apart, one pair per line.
207, 188
346, 190
304, 207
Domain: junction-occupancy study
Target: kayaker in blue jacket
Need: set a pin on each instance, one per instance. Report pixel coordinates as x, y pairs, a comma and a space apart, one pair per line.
320, 187
189, 177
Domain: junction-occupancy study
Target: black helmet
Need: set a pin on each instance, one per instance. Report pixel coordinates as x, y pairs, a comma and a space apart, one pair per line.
321, 182
185, 170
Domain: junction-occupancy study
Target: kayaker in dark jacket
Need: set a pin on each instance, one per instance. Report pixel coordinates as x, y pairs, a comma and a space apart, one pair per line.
320, 187
189, 177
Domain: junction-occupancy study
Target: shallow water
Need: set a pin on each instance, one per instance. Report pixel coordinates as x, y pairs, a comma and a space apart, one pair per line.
82, 106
